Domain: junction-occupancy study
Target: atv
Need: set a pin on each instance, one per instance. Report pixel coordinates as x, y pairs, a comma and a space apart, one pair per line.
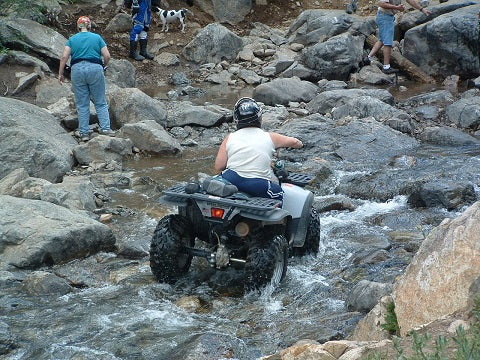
255, 233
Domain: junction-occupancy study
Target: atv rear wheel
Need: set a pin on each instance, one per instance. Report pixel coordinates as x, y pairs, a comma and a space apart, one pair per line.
266, 262
312, 238
169, 259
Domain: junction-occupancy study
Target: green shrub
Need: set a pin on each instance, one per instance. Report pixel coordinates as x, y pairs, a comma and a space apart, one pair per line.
391, 323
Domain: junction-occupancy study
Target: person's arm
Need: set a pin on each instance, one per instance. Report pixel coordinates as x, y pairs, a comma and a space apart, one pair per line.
63, 62
282, 141
387, 5
417, 6
105, 55
222, 157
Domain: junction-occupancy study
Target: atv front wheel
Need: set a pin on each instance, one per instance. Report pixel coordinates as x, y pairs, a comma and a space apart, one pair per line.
312, 238
266, 262
169, 259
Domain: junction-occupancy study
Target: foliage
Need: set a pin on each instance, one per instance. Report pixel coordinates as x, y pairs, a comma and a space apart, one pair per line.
391, 323
467, 342
24, 8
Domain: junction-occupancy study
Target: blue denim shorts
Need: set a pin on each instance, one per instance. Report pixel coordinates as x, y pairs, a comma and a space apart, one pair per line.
386, 25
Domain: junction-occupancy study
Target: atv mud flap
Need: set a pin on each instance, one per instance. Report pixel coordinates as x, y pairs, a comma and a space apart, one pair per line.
292, 200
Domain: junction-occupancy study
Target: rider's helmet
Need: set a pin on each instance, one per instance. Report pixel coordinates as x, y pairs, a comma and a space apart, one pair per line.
247, 113
84, 22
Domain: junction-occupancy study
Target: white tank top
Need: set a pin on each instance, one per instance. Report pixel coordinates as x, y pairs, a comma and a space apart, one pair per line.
250, 152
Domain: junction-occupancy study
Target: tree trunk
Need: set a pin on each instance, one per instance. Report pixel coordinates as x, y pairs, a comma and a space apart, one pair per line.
403, 63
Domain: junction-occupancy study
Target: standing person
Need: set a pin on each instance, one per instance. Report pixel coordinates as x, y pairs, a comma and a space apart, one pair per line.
245, 155
141, 16
88, 78
386, 23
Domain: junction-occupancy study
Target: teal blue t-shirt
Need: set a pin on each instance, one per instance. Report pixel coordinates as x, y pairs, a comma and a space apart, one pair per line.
86, 45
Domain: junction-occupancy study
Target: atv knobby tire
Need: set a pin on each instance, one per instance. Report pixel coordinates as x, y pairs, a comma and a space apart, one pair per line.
168, 257
266, 262
312, 238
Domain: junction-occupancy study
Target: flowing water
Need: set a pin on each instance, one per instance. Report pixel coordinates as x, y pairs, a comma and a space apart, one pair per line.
120, 312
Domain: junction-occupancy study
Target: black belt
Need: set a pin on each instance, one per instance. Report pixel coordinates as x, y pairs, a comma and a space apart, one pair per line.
92, 60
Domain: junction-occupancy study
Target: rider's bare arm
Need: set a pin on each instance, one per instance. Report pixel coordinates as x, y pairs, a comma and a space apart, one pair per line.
282, 141
222, 157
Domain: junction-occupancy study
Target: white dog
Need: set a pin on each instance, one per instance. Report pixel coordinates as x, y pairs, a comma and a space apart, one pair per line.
167, 16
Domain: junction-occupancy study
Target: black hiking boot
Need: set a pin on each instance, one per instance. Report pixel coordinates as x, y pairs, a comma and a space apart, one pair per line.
133, 51
143, 49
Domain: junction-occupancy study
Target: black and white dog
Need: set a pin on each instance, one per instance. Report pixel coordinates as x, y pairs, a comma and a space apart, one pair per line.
168, 16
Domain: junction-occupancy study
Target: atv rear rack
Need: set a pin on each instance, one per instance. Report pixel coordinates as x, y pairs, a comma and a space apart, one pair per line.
238, 199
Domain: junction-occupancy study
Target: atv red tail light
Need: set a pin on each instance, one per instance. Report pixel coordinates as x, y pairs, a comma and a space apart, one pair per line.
217, 213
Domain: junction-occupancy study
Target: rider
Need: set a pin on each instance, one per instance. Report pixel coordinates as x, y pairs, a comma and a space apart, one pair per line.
246, 154
141, 16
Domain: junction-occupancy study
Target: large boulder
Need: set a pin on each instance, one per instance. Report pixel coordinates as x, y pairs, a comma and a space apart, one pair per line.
213, 43
335, 58
447, 45
29, 35
324, 102
151, 137
443, 276
283, 91
32, 138
36, 233
316, 26
131, 105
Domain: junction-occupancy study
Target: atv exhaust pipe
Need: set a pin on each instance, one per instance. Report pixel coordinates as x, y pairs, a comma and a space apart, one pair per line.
242, 229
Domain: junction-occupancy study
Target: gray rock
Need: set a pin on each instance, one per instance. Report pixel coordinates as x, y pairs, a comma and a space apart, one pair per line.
465, 113
103, 149
324, 102
150, 137
447, 136
282, 91
449, 46
36, 233
30, 35
41, 283
366, 294
213, 43
131, 105
448, 194
32, 138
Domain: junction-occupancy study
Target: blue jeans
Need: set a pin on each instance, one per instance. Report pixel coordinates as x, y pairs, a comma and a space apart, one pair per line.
386, 26
88, 81
254, 186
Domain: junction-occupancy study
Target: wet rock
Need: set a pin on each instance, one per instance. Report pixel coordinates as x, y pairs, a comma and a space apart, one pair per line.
448, 194
465, 113
59, 234
7, 340
42, 283
189, 303
366, 294
211, 346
